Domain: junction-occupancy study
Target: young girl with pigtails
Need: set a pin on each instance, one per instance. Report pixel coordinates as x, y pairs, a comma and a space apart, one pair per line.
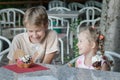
91, 41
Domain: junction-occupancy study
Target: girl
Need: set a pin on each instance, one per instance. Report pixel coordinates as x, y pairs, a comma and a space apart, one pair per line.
89, 42
38, 41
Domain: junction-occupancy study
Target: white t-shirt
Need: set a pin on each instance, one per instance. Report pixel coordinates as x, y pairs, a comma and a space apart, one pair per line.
22, 42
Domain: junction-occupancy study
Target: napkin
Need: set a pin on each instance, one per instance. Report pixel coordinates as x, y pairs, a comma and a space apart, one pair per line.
34, 67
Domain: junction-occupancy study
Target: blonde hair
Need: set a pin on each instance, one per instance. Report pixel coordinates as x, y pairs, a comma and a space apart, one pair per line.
36, 16
96, 36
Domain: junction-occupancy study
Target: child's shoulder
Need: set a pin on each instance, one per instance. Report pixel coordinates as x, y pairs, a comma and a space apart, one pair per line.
51, 33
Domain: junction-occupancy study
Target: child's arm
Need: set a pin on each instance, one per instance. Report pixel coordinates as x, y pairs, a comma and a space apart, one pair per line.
48, 58
76, 64
52, 47
18, 53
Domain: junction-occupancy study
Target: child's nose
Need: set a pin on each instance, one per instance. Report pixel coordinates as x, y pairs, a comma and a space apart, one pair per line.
34, 34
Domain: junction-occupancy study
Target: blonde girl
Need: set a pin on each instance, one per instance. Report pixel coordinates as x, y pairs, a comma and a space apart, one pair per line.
90, 41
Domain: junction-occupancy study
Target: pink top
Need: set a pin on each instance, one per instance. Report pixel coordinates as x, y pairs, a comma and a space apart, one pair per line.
80, 62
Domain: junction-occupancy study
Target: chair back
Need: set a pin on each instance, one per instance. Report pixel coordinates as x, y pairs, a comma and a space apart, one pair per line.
11, 17
75, 6
55, 3
4, 51
59, 23
89, 13
10, 20
94, 22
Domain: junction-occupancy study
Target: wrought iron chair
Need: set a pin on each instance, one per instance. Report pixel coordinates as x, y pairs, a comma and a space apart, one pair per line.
89, 13
11, 18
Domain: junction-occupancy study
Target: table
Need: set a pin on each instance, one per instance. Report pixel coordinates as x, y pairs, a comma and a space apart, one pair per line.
61, 72
65, 14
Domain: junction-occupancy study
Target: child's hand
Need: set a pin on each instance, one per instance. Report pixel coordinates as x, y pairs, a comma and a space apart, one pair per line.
97, 65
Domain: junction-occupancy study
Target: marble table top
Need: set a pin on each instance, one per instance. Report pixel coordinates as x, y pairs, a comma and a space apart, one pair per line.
60, 72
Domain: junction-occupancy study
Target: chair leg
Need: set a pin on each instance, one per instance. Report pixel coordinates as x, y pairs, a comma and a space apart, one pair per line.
71, 39
68, 46
62, 51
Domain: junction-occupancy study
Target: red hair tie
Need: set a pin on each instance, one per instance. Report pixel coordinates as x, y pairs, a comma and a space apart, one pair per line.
101, 37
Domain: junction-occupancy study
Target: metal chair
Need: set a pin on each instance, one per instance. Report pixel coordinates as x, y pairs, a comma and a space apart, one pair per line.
4, 51
60, 10
89, 13
55, 3
63, 25
75, 6
11, 18
109, 54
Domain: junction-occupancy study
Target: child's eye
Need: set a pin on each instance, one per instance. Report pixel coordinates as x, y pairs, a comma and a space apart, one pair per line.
38, 30
30, 31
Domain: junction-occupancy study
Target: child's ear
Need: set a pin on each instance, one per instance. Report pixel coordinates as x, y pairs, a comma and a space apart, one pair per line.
93, 44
